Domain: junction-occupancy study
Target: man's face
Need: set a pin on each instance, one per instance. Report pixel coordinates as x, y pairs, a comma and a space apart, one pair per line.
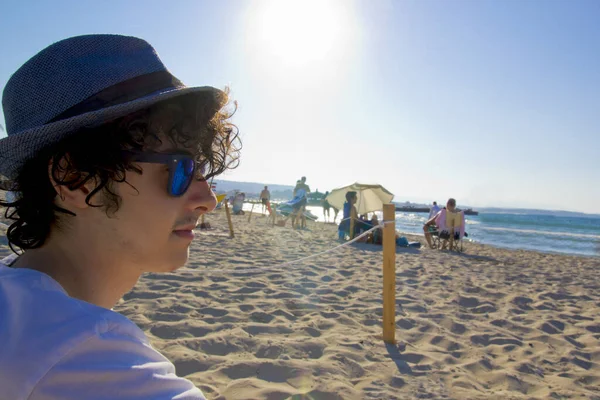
153, 230
451, 206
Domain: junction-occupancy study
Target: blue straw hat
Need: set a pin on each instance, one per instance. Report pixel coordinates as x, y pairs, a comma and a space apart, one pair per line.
82, 82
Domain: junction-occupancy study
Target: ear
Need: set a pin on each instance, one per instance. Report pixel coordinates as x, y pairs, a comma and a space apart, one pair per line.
64, 177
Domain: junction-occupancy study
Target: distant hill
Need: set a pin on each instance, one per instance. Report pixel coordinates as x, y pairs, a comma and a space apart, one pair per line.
253, 189
284, 192
530, 211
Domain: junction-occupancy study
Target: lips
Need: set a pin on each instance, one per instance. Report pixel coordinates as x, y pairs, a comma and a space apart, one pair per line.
185, 232
186, 228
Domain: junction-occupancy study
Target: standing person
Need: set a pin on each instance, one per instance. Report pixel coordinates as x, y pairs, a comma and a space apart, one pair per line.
434, 210
336, 211
265, 197
304, 189
301, 184
326, 207
111, 161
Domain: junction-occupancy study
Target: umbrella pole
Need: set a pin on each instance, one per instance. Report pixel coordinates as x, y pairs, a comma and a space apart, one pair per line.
389, 273
250, 216
231, 234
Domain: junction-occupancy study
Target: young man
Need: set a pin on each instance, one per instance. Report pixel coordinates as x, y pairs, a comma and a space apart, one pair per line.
301, 189
431, 223
265, 196
350, 213
301, 184
109, 154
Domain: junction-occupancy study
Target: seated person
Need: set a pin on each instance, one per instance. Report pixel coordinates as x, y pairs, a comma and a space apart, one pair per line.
238, 203
363, 224
351, 213
377, 237
374, 220
348, 211
431, 225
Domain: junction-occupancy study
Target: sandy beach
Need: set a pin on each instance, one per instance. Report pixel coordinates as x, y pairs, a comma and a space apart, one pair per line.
487, 324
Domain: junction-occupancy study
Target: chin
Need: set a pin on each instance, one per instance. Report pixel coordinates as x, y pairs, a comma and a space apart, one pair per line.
171, 264
178, 260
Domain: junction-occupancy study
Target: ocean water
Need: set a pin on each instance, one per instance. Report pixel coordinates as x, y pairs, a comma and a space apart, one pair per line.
549, 232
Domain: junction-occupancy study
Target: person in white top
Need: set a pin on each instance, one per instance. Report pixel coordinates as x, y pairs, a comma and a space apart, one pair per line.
434, 210
110, 160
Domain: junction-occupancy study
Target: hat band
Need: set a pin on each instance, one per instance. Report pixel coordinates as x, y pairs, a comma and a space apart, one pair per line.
122, 92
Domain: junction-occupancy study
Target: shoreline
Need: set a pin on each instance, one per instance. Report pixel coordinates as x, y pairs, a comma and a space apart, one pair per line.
421, 237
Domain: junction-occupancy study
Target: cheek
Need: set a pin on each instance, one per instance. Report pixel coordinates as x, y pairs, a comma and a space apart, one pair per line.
146, 207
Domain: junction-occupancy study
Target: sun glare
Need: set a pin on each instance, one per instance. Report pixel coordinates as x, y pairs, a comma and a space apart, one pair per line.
298, 33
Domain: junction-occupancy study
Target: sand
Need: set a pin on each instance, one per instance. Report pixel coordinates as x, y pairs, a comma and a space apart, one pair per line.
491, 323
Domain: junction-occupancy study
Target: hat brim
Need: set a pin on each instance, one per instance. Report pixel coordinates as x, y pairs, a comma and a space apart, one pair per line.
18, 148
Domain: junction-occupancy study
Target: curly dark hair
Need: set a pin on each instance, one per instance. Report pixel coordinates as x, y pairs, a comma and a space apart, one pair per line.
350, 196
201, 123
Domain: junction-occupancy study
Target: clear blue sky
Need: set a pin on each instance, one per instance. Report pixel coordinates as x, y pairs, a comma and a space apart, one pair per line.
495, 103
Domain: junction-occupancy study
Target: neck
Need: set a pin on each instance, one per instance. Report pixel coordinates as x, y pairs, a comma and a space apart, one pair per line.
83, 272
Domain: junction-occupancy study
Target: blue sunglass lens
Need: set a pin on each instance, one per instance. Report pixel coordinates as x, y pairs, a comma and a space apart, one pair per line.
182, 176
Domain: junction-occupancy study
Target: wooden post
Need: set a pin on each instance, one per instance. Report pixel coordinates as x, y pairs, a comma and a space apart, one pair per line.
252, 209
389, 274
204, 225
231, 235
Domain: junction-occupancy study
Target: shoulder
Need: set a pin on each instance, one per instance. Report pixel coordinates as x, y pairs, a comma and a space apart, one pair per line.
58, 344
114, 364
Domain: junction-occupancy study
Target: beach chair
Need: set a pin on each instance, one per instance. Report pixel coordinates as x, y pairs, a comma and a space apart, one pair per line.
449, 231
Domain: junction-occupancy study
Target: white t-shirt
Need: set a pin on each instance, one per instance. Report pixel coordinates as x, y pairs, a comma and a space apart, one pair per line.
53, 347
434, 210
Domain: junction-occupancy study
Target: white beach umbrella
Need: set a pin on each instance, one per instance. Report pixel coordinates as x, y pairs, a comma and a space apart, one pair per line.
371, 197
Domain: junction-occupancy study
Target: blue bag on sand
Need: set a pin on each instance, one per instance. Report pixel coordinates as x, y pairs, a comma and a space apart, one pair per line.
402, 241
416, 245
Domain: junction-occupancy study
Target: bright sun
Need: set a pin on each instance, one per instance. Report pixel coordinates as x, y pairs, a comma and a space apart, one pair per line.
298, 33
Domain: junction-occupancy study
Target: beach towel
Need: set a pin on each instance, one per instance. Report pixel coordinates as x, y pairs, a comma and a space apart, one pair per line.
300, 196
299, 200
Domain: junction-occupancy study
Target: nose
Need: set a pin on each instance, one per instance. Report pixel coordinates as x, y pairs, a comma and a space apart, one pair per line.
201, 197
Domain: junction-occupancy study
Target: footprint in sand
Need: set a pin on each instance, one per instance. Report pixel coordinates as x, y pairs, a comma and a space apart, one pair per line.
552, 327
168, 332
261, 317
522, 302
475, 306
213, 312
246, 307
593, 328
487, 340
191, 366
